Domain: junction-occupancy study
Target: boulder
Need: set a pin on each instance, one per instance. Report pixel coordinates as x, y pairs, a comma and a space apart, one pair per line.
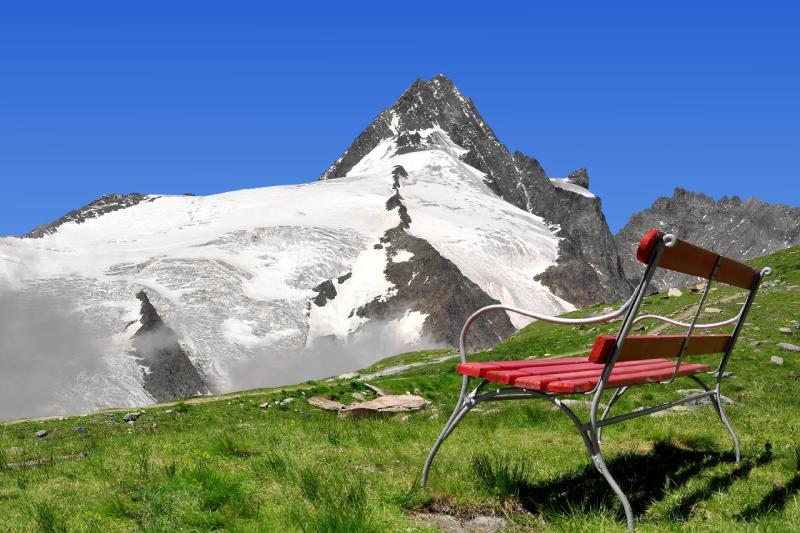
130, 417
712, 310
674, 292
326, 404
787, 331
775, 360
392, 403
788, 347
41, 433
377, 390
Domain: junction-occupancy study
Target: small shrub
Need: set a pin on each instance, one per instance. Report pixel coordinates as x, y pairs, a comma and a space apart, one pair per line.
502, 475
141, 455
334, 503
274, 463
232, 445
48, 518
219, 489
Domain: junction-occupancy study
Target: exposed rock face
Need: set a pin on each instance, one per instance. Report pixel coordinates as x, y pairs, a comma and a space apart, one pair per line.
427, 283
587, 255
732, 227
170, 373
104, 204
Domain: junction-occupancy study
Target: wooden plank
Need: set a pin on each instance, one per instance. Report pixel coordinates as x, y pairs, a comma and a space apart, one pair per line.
657, 346
693, 260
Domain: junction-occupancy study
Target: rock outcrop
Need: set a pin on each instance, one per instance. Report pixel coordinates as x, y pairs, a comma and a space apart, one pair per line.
170, 374
739, 229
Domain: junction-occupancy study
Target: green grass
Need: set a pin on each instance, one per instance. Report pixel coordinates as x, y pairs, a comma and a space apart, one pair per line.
226, 464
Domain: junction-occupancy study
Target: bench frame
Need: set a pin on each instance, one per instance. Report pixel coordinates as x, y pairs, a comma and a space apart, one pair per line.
591, 430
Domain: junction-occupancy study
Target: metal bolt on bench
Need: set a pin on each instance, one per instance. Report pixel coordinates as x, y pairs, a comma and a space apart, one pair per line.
621, 361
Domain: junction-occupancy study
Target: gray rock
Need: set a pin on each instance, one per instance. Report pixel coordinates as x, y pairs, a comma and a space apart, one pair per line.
386, 404
712, 224
170, 375
326, 291
795, 324
130, 417
41, 433
712, 310
359, 396
755, 343
451, 524
80, 430
702, 401
455, 297
674, 292
776, 360
326, 404
787, 331
788, 347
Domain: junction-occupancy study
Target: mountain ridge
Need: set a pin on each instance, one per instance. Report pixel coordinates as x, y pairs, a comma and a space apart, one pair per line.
736, 228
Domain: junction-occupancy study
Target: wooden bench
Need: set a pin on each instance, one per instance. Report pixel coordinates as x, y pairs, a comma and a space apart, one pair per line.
621, 361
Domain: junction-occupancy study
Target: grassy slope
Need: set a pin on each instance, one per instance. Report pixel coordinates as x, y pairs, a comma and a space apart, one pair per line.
230, 464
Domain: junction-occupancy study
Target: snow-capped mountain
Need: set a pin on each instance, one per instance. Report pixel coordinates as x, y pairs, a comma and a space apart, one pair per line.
424, 219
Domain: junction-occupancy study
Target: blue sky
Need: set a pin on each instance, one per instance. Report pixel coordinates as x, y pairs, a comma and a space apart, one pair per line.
174, 97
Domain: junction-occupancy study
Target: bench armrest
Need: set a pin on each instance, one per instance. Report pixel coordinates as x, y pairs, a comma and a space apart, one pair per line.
544, 318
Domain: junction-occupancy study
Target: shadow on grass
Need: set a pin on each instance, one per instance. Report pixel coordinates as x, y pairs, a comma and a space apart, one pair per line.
777, 498
718, 483
644, 477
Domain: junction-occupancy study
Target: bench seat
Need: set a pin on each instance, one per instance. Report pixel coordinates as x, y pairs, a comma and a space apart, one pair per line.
571, 375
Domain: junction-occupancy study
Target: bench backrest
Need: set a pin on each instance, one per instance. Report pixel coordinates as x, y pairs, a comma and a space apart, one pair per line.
688, 258
657, 249
657, 346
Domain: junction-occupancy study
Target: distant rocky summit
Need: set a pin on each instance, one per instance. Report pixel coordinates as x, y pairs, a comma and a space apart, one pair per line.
733, 227
101, 206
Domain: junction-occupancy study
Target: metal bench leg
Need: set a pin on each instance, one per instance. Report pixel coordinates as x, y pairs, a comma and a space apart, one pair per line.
600, 464
593, 447
716, 400
463, 406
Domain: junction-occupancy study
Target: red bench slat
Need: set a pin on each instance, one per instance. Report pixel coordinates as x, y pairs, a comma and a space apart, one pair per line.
478, 370
621, 380
508, 377
690, 259
657, 346
541, 382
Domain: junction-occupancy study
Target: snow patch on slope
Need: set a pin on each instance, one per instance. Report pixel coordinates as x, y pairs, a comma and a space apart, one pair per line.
564, 183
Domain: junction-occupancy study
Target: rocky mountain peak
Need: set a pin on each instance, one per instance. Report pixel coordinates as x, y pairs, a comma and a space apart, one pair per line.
579, 177
587, 253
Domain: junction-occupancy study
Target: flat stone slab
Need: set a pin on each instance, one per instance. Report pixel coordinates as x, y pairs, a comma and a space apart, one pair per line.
324, 403
451, 524
392, 403
788, 347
